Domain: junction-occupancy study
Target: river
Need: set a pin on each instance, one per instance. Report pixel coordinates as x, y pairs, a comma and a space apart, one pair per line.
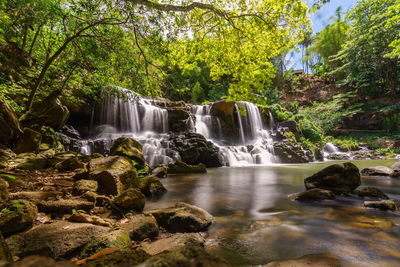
256, 223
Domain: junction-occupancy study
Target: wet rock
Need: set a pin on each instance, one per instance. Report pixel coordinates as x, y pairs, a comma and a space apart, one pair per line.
288, 126
4, 194
5, 254
194, 148
49, 112
382, 205
140, 227
70, 131
320, 260
339, 178
151, 187
56, 240
70, 165
17, 215
130, 148
175, 242
182, 167
114, 239
130, 200
9, 124
314, 194
225, 112
29, 161
39, 261
179, 120
292, 153
371, 192
377, 171
183, 218
29, 141
122, 257
83, 186
114, 174
395, 170
64, 206
160, 172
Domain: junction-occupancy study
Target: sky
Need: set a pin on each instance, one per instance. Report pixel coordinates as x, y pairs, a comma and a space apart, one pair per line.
320, 19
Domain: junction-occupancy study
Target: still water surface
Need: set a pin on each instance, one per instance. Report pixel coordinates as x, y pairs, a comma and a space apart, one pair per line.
256, 223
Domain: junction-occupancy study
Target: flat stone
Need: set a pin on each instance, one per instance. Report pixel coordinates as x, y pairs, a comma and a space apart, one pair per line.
83, 186
64, 206
314, 194
320, 260
175, 242
39, 261
377, 171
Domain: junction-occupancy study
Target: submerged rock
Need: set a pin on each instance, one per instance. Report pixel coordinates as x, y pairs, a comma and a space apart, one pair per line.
130, 148
140, 227
182, 167
371, 192
183, 218
320, 260
29, 141
377, 171
339, 178
130, 200
17, 216
382, 205
151, 187
315, 194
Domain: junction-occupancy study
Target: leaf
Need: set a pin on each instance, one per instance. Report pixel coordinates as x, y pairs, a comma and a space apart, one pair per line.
99, 254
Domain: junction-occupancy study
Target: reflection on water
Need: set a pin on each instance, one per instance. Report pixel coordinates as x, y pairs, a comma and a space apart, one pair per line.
256, 223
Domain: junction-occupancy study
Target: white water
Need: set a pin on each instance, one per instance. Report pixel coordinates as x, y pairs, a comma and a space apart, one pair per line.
256, 142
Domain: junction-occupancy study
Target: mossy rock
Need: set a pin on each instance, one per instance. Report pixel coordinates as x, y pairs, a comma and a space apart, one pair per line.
29, 141
83, 186
141, 226
123, 257
70, 164
9, 124
129, 148
17, 215
151, 187
182, 167
30, 161
130, 200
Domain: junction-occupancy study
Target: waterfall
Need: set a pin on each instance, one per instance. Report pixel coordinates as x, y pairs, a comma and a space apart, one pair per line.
255, 142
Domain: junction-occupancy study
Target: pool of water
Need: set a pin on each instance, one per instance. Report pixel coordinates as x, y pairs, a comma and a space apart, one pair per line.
256, 223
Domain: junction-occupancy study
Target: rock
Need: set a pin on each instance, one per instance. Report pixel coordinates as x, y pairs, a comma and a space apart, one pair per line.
127, 147
130, 200
4, 194
141, 227
114, 239
396, 170
225, 112
160, 172
382, 205
50, 137
183, 218
371, 192
29, 161
49, 112
292, 153
339, 178
39, 261
69, 165
83, 186
189, 255
121, 257
57, 240
182, 167
175, 242
288, 126
179, 120
64, 206
35, 196
70, 131
377, 171
5, 155
194, 148
10, 128
18, 215
5, 254
320, 260
151, 187
86, 218
314, 194
114, 174
29, 141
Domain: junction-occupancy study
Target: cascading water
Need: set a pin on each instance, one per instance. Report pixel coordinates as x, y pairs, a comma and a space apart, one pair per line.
255, 142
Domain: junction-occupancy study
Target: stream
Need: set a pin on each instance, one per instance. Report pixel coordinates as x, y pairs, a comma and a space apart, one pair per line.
256, 223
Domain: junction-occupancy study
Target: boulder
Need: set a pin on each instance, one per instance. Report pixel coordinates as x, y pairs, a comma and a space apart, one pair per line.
292, 153
114, 174
194, 148
151, 187
129, 148
35, 196
183, 218
225, 112
83, 186
396, 170
29, 161
5, 254
64, 206
288, 126
314, 194
60, 239
5, 155
29, 141
382, 205
39, 261
50, 112
4, 194
320, 260
182, 167
140, 227
119, 257
10, 128
339, 178
17, 216
50, 137
175, 242
179, 119
371, 192
377, 171
86, 218
70, 164
130, 200
160, 172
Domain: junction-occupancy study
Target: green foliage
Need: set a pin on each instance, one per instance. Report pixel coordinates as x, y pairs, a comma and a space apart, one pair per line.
392, 123
345, 143
309, 130
280, 113
8, 176
197, 94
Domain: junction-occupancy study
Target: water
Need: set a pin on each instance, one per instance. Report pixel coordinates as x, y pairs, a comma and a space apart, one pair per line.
256, 223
